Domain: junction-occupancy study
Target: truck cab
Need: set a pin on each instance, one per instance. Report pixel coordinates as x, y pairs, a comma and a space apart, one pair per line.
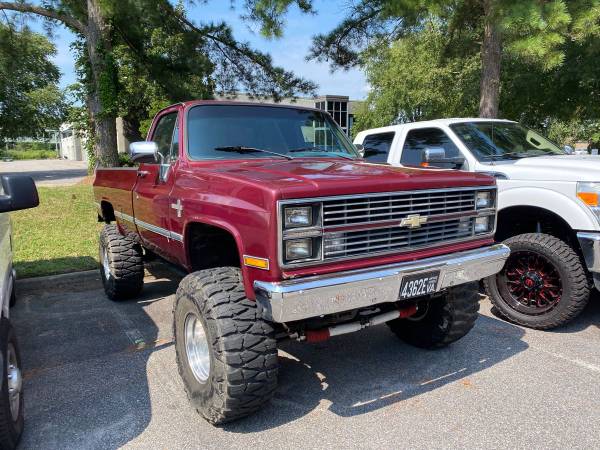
548, 210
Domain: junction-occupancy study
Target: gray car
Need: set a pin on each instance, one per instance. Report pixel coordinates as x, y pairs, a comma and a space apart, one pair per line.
16, 192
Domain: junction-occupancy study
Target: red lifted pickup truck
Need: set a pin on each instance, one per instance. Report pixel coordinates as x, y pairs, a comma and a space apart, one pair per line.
287, 233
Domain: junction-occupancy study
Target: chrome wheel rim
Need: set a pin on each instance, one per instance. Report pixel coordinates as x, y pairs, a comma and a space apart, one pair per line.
105, 263
196, 347
15, 381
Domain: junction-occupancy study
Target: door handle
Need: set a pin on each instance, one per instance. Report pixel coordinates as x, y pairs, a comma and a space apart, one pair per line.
142, 173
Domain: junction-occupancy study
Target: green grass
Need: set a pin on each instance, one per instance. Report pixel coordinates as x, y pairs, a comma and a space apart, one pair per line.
28, 154
59, 236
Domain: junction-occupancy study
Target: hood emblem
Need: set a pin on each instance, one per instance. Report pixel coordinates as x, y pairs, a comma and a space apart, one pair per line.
413, 221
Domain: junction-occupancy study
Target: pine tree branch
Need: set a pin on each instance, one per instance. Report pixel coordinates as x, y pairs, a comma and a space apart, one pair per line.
69, 21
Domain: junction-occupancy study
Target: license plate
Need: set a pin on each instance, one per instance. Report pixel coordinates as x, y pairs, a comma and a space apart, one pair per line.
419, 284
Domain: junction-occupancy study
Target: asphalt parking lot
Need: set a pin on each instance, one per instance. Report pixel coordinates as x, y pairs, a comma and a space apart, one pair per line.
47, 172
102, 375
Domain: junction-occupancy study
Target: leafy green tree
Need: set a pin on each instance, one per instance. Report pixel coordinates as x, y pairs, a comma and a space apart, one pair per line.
30, 100
530, 28
533, 29
415, 78
155, 44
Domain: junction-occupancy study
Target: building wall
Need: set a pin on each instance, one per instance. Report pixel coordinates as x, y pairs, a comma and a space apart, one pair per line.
71, 145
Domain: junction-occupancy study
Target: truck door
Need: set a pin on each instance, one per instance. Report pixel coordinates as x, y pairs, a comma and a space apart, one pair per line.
151, 197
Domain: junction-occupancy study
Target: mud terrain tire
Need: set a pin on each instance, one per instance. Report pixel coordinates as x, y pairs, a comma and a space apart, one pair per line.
446, 320
121, 264
239, 373
573, 277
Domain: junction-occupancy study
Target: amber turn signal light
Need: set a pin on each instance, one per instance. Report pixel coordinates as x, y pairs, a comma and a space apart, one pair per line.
259, 263
589, 198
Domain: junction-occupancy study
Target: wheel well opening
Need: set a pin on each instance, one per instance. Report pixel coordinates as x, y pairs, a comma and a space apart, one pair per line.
530, 219
108, 213
211, 247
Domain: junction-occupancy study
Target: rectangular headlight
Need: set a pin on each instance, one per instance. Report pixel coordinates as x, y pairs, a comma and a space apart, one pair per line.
483, 224
298, 249
297, 216
484, 200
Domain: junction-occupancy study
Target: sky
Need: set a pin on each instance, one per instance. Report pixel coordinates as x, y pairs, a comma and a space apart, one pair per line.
288, 52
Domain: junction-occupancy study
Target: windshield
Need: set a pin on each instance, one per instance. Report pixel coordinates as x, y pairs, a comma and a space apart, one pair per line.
491, 141
230, 131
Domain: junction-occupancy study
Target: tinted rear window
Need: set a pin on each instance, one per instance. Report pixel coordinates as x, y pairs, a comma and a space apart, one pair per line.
377, 146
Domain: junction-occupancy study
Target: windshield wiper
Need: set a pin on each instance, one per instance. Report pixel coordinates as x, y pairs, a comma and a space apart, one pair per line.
319, 150
243, 149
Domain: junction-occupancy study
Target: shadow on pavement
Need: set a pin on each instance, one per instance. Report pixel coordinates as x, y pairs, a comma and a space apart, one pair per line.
589, 317
362, 372
87, 373
85, 363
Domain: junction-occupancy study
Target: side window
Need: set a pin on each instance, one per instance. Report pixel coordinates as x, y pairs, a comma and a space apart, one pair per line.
377, 146
423, 138
163, 135
175, 144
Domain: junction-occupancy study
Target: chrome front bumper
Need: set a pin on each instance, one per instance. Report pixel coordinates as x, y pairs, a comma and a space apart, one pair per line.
303, 298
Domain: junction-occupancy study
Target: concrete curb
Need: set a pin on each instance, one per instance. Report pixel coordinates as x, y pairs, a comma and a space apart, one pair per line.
53, 281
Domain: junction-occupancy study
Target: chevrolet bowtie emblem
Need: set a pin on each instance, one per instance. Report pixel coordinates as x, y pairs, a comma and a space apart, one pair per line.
413, 221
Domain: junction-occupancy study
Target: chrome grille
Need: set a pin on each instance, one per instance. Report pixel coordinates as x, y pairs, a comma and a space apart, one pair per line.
379, 240
376, 208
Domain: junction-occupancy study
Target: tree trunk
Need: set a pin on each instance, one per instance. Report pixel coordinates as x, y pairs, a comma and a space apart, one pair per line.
105, 130
131, 129
491, 55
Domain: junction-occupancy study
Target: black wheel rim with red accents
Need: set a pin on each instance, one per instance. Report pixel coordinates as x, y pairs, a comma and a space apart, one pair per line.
530, 283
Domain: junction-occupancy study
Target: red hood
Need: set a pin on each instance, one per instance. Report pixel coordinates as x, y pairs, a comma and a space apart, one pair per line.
322, 177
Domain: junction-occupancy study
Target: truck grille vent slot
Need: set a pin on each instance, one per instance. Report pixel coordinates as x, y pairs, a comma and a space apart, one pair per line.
379, 208
386, 240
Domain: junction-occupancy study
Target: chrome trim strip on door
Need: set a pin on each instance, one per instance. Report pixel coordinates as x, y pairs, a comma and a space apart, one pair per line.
176, 236
148, 226
153, 228
124, 216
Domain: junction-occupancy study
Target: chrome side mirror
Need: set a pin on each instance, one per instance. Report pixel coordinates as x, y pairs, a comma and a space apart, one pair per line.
437, 155
434, 154
569, 150
360, 149
144, 150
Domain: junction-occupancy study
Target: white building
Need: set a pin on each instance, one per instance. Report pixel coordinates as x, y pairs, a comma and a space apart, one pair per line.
71, 144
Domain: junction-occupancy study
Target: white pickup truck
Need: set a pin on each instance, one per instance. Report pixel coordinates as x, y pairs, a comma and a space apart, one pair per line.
548, 202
